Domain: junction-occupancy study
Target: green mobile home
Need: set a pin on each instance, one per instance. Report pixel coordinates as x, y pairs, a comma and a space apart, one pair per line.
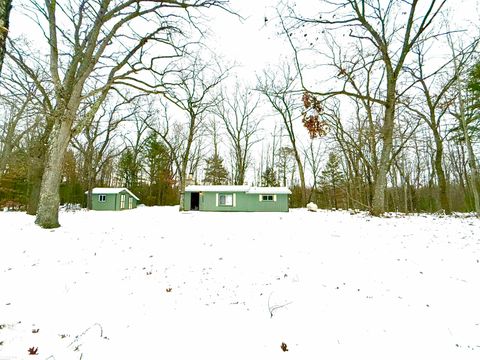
113, 199
235, 198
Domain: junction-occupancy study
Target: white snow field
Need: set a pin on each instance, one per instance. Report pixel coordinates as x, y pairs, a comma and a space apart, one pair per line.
339, 286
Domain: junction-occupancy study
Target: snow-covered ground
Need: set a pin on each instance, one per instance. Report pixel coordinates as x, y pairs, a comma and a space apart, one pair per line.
153, 283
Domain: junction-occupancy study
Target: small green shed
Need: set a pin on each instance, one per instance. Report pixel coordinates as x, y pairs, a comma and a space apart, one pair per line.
235, 198
113, 199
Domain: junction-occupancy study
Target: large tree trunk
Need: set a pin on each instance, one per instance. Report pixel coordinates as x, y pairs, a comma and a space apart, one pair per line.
36, 165
47, 215
183, 180
378, 202
35, 173
5, 7
240, 166
301, 172
442, 181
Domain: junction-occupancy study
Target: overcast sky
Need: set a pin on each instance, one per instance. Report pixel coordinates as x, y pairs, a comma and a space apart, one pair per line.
254, 43
250, 42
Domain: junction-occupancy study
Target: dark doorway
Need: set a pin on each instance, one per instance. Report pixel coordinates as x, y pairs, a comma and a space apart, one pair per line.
194, 201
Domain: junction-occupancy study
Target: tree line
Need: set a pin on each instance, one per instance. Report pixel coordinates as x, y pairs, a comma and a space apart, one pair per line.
387, 95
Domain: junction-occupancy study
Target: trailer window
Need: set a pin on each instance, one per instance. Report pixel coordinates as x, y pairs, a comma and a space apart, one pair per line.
225, 199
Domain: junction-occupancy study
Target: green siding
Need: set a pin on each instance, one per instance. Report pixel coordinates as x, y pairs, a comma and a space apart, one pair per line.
113, 201
243, 202
186, 201
109, 203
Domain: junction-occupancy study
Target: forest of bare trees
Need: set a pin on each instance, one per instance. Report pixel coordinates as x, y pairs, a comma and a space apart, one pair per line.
375, 108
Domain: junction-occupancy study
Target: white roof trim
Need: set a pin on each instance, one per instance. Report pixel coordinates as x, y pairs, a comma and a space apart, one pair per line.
237, 188
101, 191
269, 190
217, 188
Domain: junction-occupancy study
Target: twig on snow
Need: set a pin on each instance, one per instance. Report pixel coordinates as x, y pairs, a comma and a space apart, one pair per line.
272, 308
78, 337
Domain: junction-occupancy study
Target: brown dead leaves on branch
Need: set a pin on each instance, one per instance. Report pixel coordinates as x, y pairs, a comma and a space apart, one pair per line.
311, 116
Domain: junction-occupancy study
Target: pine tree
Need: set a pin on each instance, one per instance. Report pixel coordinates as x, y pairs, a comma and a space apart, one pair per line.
269, 177
157, 165
332, 176
128, 169
215, 172
474, 108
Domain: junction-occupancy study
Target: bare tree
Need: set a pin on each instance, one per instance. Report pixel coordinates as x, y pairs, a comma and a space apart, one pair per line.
392, 28
278, 88
19, 88
436, 87
94, 142
91, 50
237, 111
191, 90
16, 122
461, 114
313, 155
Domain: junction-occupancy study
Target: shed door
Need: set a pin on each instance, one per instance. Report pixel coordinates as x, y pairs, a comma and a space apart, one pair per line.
194, 201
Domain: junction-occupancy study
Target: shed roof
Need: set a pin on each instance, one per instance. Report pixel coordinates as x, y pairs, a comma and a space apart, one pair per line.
100, 191
238, 188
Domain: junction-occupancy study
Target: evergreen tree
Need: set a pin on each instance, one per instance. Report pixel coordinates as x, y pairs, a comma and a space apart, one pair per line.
473, 121
269, 177
332, 176
128, 169
215, 172
157, 165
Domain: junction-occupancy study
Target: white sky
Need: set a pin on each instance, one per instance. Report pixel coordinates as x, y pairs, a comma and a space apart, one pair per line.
254, 44
250, 42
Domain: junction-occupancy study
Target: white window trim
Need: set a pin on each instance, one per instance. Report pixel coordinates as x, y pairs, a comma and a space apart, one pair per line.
274, 197
122, 201
100, 198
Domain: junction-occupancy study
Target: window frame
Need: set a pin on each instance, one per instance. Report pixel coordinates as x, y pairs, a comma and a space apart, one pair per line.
122, 201
268, 197
226, 196
100, 196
